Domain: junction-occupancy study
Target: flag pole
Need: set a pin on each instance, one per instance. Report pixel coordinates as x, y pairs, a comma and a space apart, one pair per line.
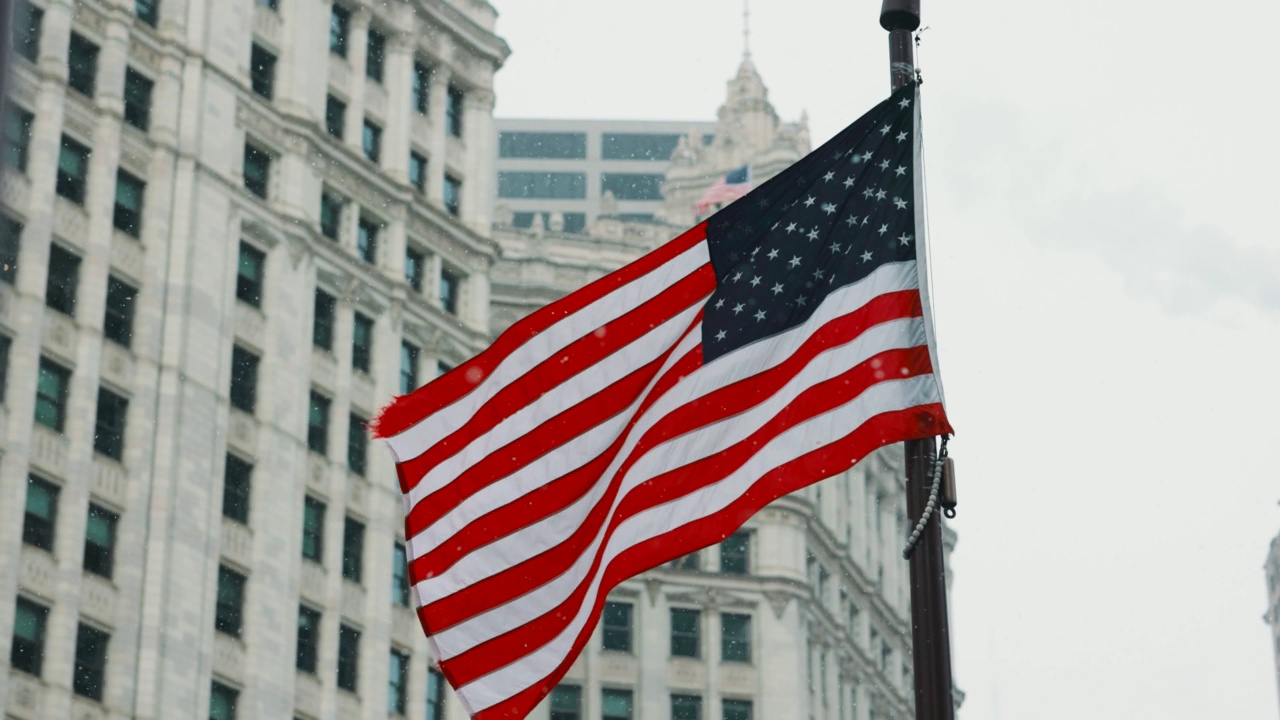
930, 636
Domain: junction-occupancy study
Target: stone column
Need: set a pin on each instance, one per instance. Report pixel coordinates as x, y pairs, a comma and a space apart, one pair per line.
479, 140
437, 99
357, 45
399, 77
301, 73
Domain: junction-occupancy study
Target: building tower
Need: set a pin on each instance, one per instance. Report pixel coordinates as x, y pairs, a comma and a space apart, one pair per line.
1272, 616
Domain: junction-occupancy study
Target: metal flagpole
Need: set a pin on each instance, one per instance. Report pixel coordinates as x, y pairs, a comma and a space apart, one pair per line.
930, 637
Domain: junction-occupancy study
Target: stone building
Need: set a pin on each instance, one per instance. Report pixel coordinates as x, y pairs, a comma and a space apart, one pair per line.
232, 229
1272, 616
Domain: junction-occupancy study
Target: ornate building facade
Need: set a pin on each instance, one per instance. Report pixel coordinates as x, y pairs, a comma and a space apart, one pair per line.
1272, 615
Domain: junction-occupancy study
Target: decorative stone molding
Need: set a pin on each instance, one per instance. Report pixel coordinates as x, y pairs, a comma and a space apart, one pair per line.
306, 696
237, 543
70, 223
312, 585
39, 573
352, 601
686, 673
357, 495
324, 369
128, 256
60, 336
48, 451
228, 657
778, 601
251, 327
98, 600
26, 697
317, 474
243, 432
109, 481
16, 191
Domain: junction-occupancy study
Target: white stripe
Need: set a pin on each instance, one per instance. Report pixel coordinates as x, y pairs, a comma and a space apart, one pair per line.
491, 689
413, 441
677, 452
543, 470
587, 383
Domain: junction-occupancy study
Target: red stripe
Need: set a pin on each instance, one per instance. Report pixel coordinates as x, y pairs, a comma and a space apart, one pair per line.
724, 402
565, 364
824, 462
407, 410
512, 583
546, 500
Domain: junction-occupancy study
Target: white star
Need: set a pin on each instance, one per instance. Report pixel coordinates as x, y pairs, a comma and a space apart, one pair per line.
835, 247
720, 303
884, 165
851, 220
773, 254
905, 239
808, 202
828, 176
794, 261
738, 276
818, 274
906, 102
754, 250
802, 300
901, 136
866, 256
759, 315
880, 194
868, 193
884, 229
866, 156
775, 225
828, 208
737, 308
813, 234
755, 281
866, 219
848, 182
884, 130
777, 288
791, 228
720, 335
900, 170
902, 204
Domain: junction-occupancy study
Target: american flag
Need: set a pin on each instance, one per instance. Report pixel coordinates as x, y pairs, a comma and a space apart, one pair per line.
727, 188
652, 412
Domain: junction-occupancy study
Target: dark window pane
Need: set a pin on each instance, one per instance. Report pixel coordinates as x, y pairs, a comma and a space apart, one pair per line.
452, 195
63, 280
108, 432
692, 561
128, 210
435, 695
262, 71
550, 145
371, 141
27, 20
339, 20
616, 630
418, 172
237, 482
244, 379
737, 710
414, 263
312, 529
398, 683
357, 444
51, 394
308, 639
5, 344
348, 658
566, 702
41, 514
735, 637
322, 325
632, 186
735, 554
10, 243
375, 52
686, 632
269, 4
335, 116
17, 137
575, 222
330, 215
686, 707
352, 549
82, 64
27, 652
228, 617
615, 704
222, 702
449, 286
399, 575
361, 342
73, 168
408, 368
100, 541
318, 424
420, 91
117, 322
638, 146
542, 185
148, 11
137, 99
367, 240
249, 274
91, 662
257, 170
453, 111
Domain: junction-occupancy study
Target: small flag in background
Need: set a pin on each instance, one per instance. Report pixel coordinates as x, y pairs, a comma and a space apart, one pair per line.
726, 189
652, 412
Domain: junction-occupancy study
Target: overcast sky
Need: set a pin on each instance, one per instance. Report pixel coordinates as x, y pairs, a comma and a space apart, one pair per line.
1103, 187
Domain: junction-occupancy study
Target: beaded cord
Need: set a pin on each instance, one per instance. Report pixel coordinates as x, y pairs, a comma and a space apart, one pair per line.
938, 462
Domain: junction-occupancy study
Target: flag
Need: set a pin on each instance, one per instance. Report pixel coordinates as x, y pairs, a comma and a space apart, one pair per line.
652, 412
726, 189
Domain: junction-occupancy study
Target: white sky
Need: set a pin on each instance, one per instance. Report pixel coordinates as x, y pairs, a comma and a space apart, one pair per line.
1102, 181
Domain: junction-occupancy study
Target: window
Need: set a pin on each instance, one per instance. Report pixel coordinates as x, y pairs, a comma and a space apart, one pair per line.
318, 424
5, 344
632, 186
449, 282
269, 4
237, 480
361, 342
73, 169
417, 171
147, 11
420, 90
414, 262
117, 321
686, 707
222, 702
308, 639
638, 146
27, 652
249, 275
398, 683
615, 704
735, 637
41, 516
322, 324
452, 195
27, 19
62, 281
244, 379
312, 529
357, 444
108, 432
257, 170
367, 240
51, 394
262, 71
574, 222
686, 632
408, 368
100, 541
10, 242
549, 145
17, 137
371, 141
399, 575
339, 22
330, 215
82, 64
228, 616
375, 53
616, 627
128, 211
435, 695
335, 116
692, 561
542, 185
735, 554
737, 709
348, 658
453, 111
91, 662
137, 99
566, 702
352, 549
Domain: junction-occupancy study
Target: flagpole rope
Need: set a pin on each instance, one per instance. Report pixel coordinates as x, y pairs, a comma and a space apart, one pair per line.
938, 462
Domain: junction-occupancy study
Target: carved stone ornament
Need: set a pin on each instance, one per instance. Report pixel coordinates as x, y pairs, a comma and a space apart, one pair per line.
778, 601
